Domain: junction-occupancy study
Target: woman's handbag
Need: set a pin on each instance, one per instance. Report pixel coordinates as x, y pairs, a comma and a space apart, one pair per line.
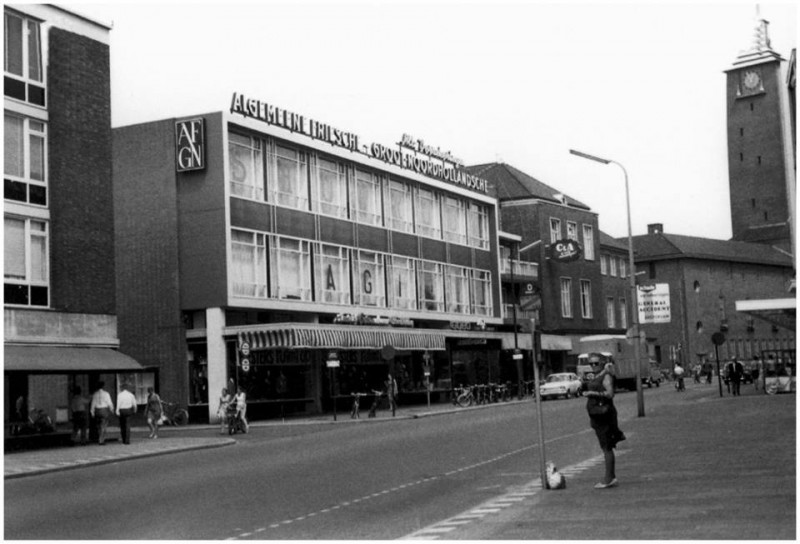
597, 407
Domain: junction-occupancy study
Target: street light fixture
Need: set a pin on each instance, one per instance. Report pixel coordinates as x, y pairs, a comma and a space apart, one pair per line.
632, 276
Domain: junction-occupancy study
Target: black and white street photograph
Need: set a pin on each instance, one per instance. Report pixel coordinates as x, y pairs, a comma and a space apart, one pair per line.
400, 270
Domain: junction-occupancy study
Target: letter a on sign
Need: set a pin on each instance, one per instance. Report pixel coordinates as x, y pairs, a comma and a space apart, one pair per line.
190, 145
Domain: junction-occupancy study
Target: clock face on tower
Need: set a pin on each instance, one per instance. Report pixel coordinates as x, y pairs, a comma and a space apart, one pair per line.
751, 80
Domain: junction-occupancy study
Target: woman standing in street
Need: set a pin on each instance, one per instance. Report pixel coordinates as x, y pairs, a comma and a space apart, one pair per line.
153, 411
222, 411
603, 418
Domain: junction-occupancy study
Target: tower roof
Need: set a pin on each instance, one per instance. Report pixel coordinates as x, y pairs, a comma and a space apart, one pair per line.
760, 49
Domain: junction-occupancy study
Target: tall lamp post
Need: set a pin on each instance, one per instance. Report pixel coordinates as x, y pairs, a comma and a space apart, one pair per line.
632, 276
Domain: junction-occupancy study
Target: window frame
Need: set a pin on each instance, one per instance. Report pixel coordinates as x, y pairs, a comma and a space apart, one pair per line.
457, 282
33, 287
604, 264
566, 297
437, 303
342, 295
588, 242
378, 261
586, 299
454, 220
611, 313
623, 314
409, 269
481, 280
277, 255
555, 229
478, 219
255, 148
432, 229
572, 230
28, 83
299, 198
258, 249
36, 190
359, 215
338, 178
612, 266
395, 220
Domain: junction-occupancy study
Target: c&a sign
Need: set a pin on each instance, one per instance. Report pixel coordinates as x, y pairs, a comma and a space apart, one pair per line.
190, 145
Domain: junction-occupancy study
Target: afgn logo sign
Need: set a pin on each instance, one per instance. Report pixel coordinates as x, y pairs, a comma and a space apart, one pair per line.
190, 145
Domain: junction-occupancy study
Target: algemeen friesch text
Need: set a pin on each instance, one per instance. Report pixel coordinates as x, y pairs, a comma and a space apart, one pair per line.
250, 107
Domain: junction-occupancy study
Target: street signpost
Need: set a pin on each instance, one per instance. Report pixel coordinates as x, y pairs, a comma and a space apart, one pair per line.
538, 402
332, 364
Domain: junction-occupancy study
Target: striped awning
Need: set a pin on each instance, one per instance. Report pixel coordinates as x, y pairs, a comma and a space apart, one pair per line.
298, 335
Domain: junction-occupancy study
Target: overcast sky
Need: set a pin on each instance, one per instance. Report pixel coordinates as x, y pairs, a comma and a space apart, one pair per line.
517, 82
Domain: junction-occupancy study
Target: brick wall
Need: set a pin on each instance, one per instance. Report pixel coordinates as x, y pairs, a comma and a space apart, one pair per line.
79, 145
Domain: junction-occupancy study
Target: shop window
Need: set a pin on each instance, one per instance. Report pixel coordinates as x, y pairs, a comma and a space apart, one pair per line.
139, 382
290, 183
399, 214
566, 297
402, 284
246, 168
26, 262
290, 269
25, 160
586, 299
478, 225
366, 197
330, 188
370, 285
455, 220
24, 76
588, 242
555, 230
428, 215
431, 286
332, 265
481, 292
249, 264
457, 283
198, 374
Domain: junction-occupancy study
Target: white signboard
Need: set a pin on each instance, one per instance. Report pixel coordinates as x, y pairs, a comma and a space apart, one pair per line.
653, 303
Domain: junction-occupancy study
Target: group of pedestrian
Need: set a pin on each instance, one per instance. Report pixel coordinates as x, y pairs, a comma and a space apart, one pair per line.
225, 402
99, 408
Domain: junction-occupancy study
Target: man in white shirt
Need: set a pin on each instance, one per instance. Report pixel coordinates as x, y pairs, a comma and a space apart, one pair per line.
101, 409
126, 407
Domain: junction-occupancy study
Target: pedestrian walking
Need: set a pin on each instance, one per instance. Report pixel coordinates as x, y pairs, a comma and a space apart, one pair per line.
79, 406
678, 372
101, 408
391, 392
153, 411
241, 407
603, 418
735, 374
222, 411
126, 408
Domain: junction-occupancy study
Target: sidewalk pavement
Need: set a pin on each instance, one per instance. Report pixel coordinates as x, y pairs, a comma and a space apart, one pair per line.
705, 468
19, 464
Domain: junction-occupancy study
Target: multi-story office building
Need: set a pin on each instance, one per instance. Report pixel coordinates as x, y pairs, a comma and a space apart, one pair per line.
59, 285
256, 244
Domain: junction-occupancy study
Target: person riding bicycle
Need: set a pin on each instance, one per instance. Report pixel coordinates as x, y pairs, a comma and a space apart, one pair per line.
241, 406
678, 371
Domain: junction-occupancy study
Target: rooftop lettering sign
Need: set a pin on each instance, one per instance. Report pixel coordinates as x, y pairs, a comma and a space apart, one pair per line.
410, 154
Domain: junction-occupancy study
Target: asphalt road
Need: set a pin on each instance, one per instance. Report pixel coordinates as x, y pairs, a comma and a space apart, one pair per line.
378, 479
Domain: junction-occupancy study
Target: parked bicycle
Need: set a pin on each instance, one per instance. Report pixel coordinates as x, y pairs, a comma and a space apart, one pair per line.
464, 397
173, 414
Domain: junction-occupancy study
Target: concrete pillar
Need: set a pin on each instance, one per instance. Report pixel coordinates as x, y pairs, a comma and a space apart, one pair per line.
217, 359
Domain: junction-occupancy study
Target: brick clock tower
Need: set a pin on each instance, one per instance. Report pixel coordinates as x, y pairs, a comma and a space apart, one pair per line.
760, 158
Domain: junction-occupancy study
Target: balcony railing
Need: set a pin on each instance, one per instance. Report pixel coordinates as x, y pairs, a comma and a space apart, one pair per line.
521, 268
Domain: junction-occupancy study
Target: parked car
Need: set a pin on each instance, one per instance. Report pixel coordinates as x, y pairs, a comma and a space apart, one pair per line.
563, 384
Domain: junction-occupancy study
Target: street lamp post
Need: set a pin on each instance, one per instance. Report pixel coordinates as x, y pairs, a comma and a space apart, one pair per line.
632, 276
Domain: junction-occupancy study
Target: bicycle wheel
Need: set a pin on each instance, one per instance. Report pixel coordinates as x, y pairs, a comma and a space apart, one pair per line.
464, 400
181, 417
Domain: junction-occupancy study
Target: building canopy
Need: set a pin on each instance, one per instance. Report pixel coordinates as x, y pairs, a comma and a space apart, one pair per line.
66, 359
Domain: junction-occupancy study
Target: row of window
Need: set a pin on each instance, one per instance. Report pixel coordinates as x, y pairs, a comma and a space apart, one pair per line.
275, 267
264, 170
585, 298
611, 313
572, 234
610, 264
26, 275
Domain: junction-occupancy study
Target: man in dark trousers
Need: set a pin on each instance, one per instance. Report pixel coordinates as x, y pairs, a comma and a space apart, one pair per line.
735, 374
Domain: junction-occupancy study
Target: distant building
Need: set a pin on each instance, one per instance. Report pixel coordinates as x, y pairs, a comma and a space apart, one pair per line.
569, 288
616, 283
59, 309
761, 156
705, 278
